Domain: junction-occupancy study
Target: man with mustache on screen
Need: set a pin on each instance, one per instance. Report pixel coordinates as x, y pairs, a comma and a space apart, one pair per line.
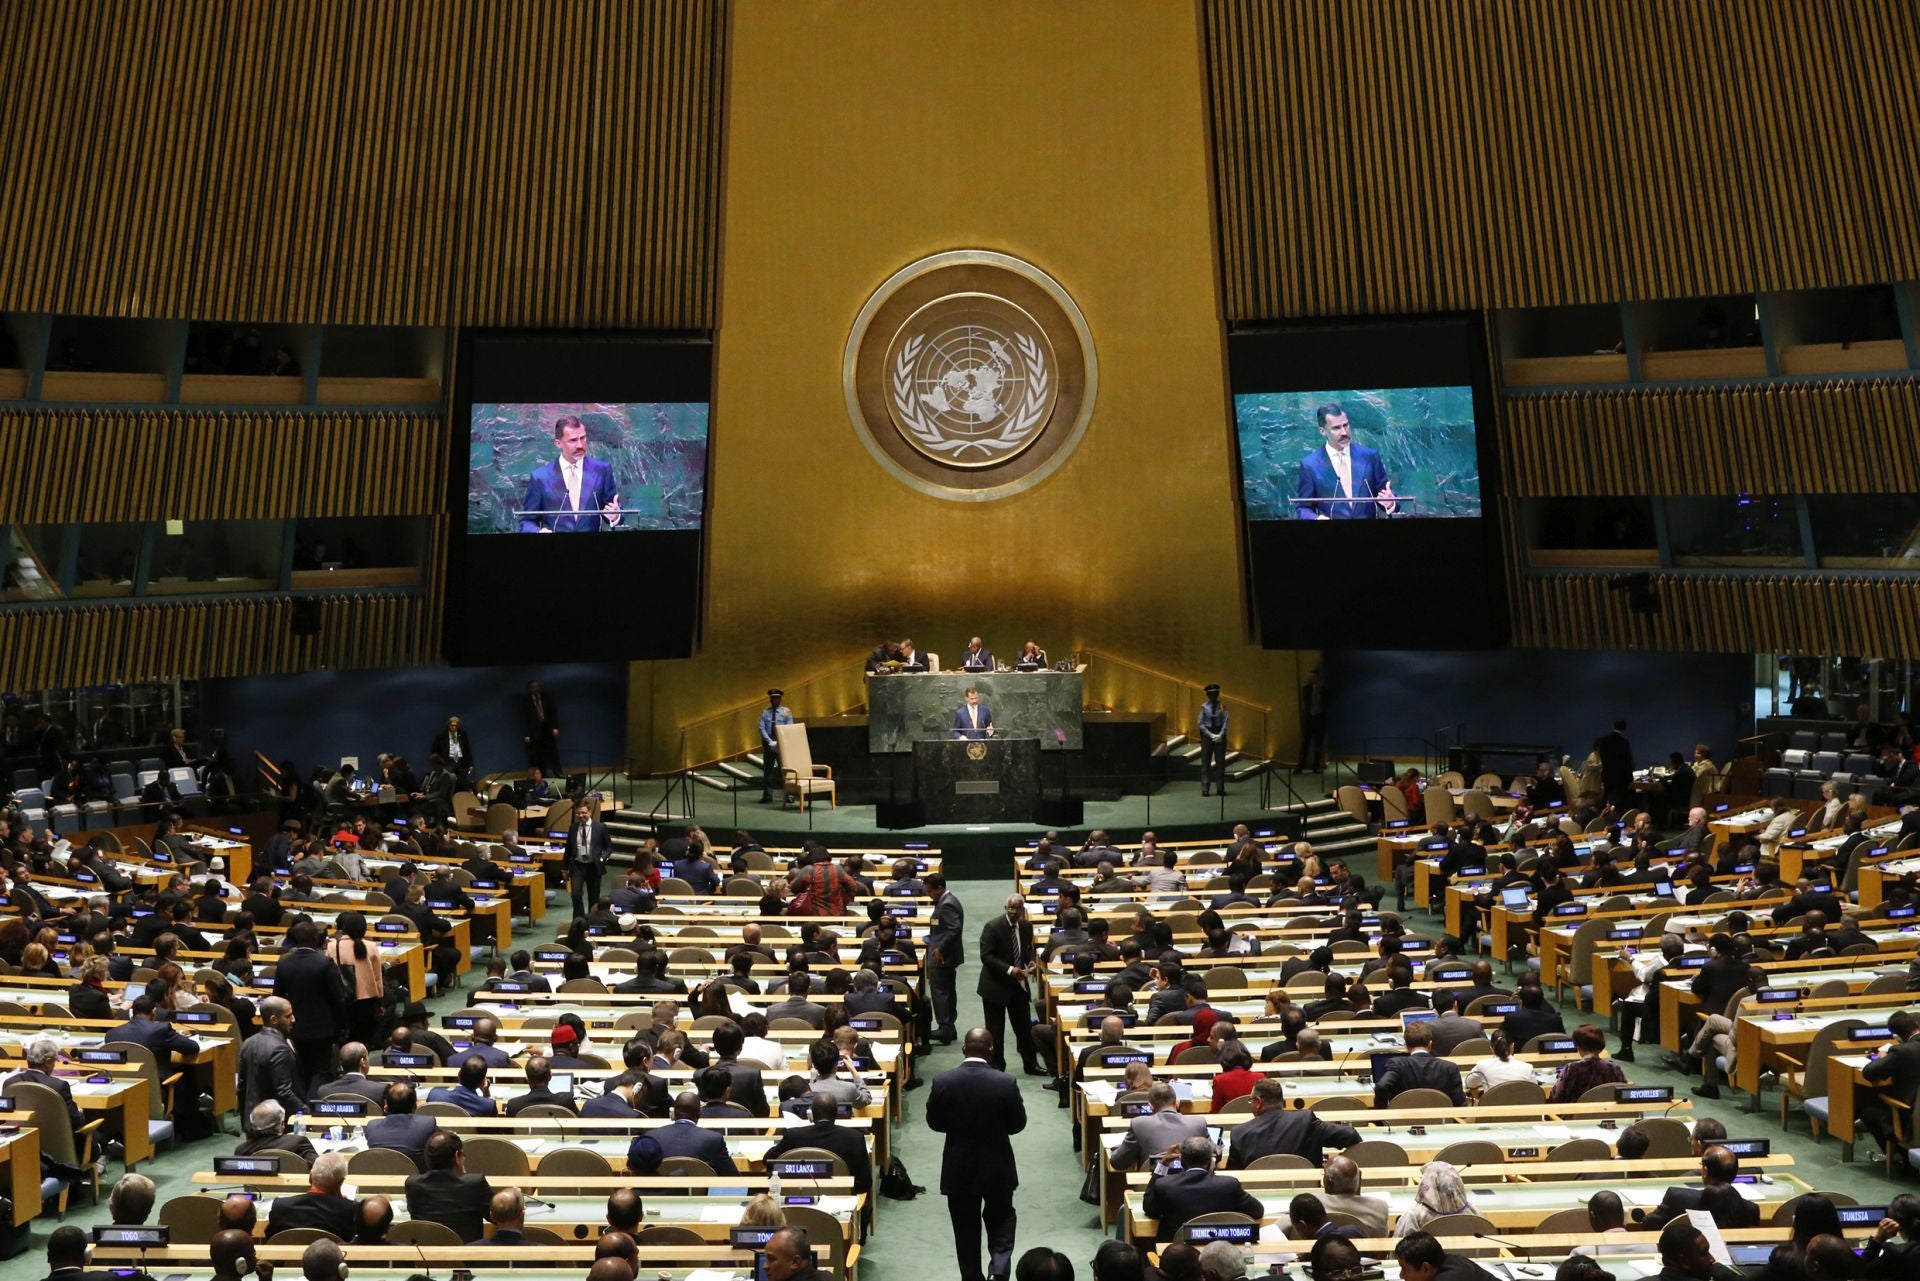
570, 494
1342, 480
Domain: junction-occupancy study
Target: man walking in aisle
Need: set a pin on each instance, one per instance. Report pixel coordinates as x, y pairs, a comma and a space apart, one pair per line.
979, 1110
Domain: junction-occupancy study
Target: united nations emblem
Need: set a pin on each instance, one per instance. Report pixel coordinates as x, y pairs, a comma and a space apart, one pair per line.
970, 375
976, 751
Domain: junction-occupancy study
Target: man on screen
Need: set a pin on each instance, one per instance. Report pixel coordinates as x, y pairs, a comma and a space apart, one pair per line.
1341, 480
573, 493
973, 718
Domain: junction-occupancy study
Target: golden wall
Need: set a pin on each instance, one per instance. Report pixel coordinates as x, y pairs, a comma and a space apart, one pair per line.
862, 135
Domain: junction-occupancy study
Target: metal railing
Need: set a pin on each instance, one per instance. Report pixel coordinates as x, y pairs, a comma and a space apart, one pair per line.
1124, 685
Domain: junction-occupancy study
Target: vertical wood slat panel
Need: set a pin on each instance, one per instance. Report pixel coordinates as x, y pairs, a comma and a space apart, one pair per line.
192, 639
1581, 153
1723, 614
408, 162
109, 465
1764, 438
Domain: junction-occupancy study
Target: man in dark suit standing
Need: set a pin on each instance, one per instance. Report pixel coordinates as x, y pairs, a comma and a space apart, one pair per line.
540, 729
1006, 962
1616, 766
1418, 1069
571, 494
446, 1193
1279, 1130
946, 949
308, 979
973, 718
1340, 480
589, 846
454, 747
267, 1063
979, 1109
1313, 724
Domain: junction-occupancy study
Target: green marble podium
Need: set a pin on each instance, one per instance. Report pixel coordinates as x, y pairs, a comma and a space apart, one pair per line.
905, 709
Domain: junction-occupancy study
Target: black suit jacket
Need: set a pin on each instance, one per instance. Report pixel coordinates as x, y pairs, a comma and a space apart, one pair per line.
1278, 1130
1174, 1198
749, 1088
329, 1212
979, 1110
457, 1200
1898, 1069
947, 932
533, 725
1678, 1201
353, 1085
306, 978
1419, 1072
599, 843
843, 1143
88, 1002
408, 1133
1524, 1024
1717, 981
997, 947
520, 1103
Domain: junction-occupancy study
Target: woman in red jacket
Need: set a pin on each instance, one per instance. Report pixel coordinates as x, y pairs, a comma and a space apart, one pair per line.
1236, 1076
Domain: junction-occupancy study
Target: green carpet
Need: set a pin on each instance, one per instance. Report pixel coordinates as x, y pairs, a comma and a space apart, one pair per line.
914, 1242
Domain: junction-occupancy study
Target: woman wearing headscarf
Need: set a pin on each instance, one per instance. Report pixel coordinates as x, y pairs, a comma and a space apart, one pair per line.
1441, 1192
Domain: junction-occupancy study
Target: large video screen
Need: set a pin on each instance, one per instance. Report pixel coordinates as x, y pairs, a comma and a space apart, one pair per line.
586, 468
1377, 453
1366, 483
578, 433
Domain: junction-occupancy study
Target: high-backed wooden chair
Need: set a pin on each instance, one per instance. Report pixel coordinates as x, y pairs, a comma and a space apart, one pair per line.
801, 778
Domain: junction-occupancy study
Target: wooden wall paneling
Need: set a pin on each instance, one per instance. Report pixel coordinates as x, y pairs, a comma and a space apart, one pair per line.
1837, 436
1631, 150
1723, 613
139, 465
404, 162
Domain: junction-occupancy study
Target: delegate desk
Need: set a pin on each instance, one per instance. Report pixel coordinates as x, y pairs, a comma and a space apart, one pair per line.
1762, 1037
749, 1139
1874, 877
580, 1218
403, 1261
219, 1054
20, 1153
1794, 980
1511, 1207
906, 708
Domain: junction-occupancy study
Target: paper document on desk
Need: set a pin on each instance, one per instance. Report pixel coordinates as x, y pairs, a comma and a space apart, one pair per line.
1716, 1244
719, 1214
1559, 1133
1102, 1092
737, 1002
711, 1274
1645, 1198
